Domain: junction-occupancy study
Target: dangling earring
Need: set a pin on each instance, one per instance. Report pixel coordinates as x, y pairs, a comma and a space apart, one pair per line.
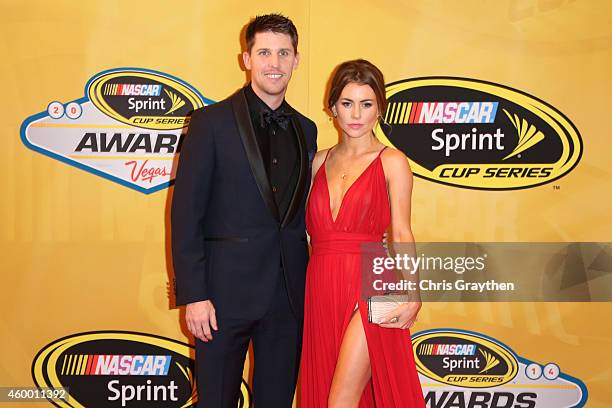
382, 122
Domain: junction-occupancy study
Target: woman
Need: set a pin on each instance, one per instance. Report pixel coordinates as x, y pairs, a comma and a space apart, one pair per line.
360, 188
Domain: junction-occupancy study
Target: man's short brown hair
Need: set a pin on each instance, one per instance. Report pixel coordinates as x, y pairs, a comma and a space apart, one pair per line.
275, 23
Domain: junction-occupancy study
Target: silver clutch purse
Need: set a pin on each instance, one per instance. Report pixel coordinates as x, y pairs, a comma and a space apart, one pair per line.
379, 306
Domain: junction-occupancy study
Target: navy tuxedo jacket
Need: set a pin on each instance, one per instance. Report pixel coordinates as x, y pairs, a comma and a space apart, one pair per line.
229, 243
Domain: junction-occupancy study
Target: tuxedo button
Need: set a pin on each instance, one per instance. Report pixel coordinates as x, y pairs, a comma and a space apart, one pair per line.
273, 132
274, 189
275, 161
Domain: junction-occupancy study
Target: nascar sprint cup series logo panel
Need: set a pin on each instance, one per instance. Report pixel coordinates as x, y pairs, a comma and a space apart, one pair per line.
464, 369
127, 128
475, 134
121, 369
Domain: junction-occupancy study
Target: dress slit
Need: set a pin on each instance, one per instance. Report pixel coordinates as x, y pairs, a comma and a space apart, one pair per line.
334, 294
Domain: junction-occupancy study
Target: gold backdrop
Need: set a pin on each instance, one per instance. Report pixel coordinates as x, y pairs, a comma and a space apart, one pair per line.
81, 253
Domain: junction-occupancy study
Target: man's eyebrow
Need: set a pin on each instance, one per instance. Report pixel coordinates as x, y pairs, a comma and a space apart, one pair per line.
269, 49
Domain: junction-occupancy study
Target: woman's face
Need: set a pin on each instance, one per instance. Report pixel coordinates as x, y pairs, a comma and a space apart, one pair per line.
356, 109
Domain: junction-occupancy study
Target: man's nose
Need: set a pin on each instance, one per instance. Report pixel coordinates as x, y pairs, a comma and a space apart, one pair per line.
274, 60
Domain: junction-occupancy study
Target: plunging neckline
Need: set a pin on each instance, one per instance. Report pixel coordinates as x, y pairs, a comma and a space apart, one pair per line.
348, 190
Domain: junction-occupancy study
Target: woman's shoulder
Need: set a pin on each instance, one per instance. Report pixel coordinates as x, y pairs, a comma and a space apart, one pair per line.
320, 155
318, 159
395, 161
392, 155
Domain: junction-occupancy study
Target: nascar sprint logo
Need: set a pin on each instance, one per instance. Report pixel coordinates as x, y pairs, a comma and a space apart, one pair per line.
120, 369
475, 134
127, 128
463, 369
464, 360
144, 99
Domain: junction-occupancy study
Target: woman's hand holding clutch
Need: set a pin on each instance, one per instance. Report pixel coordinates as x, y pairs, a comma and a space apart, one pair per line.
402, 317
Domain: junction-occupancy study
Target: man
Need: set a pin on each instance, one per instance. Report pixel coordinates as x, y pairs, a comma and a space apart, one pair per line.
238, 237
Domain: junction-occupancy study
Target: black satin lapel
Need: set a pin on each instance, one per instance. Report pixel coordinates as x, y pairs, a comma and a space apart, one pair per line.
245, 128
300, 188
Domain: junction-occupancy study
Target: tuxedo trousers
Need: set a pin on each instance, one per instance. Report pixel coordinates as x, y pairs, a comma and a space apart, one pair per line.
277, 342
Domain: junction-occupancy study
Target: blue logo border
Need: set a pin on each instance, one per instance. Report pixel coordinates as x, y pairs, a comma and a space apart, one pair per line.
32, 118
579, 383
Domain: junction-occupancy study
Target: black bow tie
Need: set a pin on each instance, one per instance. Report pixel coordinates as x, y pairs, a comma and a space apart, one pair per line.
279, 117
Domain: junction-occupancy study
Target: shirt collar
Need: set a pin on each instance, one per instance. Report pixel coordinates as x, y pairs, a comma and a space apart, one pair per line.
256, 105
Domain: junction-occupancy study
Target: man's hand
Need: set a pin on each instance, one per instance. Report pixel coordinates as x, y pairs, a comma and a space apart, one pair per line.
200, 317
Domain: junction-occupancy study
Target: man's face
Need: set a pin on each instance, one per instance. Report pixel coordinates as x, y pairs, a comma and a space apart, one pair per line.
271, 61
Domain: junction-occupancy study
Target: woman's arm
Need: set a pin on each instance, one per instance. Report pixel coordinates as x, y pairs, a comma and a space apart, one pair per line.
399, 187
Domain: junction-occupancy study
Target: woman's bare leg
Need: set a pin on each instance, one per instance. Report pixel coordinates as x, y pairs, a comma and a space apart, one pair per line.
353, 368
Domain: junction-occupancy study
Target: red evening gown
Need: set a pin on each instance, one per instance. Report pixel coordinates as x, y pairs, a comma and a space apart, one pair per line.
333, 289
